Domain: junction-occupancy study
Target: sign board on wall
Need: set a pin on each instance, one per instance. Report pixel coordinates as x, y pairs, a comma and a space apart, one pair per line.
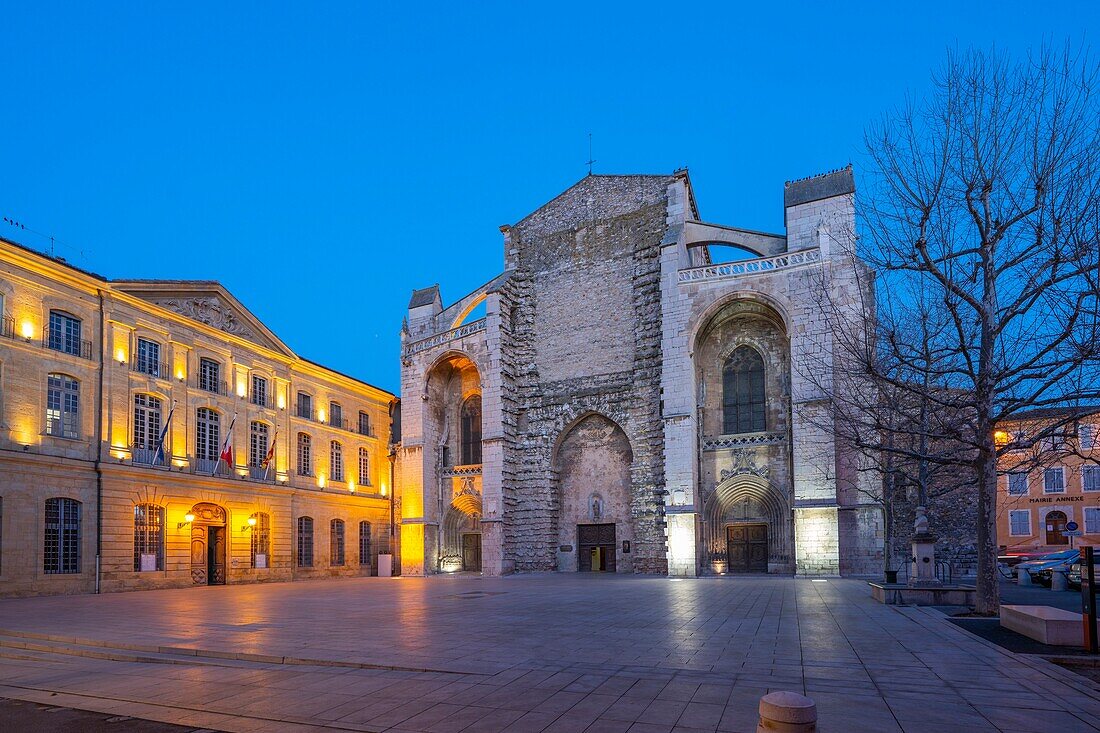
261, 561
148, 563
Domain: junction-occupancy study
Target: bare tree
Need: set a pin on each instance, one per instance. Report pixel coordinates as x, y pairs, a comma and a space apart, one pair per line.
980, 229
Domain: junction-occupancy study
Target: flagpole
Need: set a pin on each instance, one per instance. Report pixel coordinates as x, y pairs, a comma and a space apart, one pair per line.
228, 442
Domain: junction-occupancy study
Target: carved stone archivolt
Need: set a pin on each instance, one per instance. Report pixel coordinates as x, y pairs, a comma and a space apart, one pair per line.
211, 311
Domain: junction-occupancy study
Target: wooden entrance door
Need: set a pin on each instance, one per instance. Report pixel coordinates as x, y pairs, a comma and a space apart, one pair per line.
747, 548
1056, 525
471, 552
208, 542
596, 548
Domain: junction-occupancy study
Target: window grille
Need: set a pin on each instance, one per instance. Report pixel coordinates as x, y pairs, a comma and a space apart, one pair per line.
336, 461
1019, 522
62, 536
261, 540
743, 394
305, 542
336, 543
148, 537
62, 406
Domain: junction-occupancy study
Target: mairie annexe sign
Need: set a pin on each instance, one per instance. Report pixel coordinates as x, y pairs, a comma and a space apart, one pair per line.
1055, 499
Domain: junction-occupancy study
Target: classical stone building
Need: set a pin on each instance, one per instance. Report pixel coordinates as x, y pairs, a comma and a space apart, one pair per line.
627, 404
94, 373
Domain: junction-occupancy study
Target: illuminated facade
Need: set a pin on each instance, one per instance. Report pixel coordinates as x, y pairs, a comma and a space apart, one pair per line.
639, 407
92, 371
1048, 483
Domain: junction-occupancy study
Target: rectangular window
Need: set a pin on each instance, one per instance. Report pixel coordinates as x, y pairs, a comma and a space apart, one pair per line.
335, 415
207, 437
336, 461
148, 358
336, 543
259, 391
305, 542
1085, 435
1092, 520
1019, 521
1054, 481
62, 537
62, 406
1017, 483
364, 467
1090, 478
364, 542
64, 335
257, 444
305, 406
146, 447
305, 458
364, 423
210, 376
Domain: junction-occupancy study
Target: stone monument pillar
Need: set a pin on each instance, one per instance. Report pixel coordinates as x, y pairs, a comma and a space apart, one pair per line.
922, 573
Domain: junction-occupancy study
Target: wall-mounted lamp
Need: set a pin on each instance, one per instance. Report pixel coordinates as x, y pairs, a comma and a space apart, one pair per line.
120, 357
179, 375
351, 487
187, 519
26, 329
251, 523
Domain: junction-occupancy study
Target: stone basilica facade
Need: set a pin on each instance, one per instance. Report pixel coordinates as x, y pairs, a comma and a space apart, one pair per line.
628, 405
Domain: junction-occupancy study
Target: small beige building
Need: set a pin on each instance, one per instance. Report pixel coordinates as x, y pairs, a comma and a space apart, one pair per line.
118, 401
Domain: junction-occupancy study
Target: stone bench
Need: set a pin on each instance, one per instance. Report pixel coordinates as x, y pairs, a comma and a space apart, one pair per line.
1044, 624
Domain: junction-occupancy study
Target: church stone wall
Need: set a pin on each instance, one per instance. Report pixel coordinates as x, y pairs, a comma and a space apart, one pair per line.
599, 240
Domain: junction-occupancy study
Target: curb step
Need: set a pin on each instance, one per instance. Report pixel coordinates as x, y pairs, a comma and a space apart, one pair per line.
185, 655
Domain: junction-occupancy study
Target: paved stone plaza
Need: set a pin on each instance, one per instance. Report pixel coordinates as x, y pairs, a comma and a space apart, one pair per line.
525, 653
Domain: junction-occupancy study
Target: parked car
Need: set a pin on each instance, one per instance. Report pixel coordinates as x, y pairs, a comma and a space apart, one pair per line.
1011, 559
1074, 574
1043, 567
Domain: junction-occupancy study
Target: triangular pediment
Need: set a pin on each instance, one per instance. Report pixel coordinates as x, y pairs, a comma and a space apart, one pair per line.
207, 302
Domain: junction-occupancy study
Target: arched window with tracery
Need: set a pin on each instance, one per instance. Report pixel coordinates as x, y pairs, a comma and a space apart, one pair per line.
470, 419
743, 398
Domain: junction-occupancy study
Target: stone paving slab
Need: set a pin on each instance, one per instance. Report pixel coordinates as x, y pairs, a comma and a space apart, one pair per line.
526, 654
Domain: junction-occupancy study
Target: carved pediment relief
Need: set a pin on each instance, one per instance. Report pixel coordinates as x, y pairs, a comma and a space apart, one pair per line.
207, 303
209, 310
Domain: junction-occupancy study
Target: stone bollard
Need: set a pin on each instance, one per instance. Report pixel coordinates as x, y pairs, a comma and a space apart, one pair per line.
787, 712
1023, 578
1059, 581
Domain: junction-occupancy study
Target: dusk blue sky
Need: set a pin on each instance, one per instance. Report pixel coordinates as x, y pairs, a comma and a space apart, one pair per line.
323, 159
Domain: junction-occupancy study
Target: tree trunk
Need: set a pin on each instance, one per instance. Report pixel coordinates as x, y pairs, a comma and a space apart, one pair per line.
988, 601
